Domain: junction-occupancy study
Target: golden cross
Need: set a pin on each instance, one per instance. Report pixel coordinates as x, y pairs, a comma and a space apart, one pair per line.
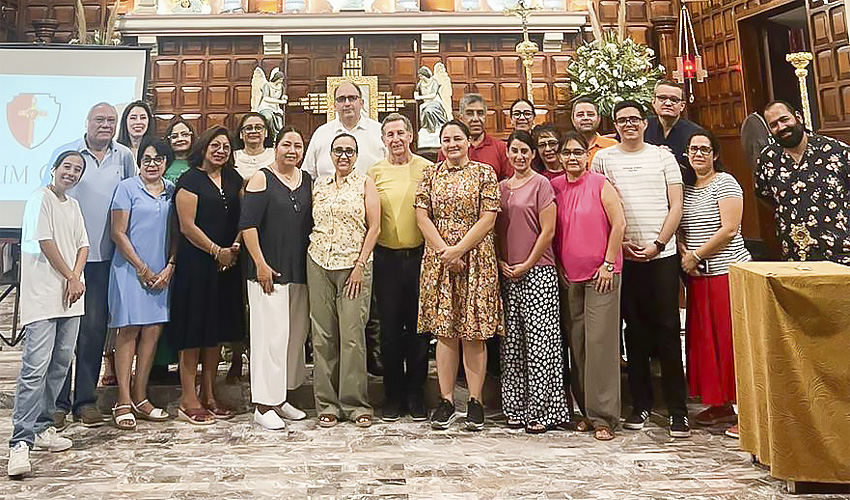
526, 48
522, 11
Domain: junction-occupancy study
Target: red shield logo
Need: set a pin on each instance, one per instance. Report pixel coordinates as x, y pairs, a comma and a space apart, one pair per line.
32, 118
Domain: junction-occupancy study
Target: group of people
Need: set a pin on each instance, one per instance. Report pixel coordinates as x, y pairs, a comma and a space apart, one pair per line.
534, 240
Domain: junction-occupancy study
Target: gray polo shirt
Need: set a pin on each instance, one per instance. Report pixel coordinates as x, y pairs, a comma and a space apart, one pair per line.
95, 189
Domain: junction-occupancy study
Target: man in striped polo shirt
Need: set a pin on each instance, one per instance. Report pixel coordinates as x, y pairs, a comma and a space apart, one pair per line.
649, 181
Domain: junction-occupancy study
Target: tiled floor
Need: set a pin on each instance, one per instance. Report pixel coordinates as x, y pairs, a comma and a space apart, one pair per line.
402, 460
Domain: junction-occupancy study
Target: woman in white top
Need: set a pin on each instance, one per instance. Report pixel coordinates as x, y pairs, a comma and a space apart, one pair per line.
254, 145
710, 240
54, 248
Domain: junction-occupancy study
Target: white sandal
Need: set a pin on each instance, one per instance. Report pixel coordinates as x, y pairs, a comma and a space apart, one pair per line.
125, 421
155, 415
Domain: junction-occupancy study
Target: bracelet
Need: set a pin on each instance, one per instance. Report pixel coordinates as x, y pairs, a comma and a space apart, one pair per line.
361, 264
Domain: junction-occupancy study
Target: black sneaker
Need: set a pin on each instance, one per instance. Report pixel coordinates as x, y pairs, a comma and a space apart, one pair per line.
679, 427
636, 420
444, 415
391, 412
474, 415
416, 408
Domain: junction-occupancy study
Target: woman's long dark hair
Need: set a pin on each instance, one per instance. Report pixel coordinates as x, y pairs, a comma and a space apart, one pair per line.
689, 175
124, 133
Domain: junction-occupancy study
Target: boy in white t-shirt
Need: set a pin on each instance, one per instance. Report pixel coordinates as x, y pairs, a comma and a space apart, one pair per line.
54, 248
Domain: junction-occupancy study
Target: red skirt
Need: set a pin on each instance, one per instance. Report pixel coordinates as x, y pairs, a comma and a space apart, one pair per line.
710, 358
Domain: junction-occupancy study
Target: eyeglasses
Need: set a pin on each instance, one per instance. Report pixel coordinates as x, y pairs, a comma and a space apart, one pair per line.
215, 146
547, 145
347, 152
566, 153
342, 98
669, 98
523, 114
156, 160
631, 120
706, 150
180, 135
253, 128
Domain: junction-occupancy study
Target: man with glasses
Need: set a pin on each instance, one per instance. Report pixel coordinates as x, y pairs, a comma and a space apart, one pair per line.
668, 128
348, 102
586, 120
482, 146
649, 182
107, 164
522, 114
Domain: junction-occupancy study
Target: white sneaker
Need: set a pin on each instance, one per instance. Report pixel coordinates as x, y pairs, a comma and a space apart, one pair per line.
292, 413
51, 441
19, 460
269, 420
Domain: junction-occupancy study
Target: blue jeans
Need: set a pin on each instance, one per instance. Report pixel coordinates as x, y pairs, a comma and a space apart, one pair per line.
90, 341
48, 348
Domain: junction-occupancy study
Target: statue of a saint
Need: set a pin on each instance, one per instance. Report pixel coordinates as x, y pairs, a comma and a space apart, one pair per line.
434, 90
187, 7
267, 97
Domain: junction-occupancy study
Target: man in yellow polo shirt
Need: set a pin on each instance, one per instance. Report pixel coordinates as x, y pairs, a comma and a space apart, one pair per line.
398, 257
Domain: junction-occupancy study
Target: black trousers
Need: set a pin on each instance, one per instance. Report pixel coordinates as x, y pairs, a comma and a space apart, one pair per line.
651, 310
404, 351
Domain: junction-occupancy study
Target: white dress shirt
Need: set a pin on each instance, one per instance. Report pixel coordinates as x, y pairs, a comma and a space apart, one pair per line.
370, 147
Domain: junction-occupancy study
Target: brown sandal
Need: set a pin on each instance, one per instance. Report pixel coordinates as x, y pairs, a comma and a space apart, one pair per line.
583, 425
218, 411
364, 421
328, 420
603, 433
535, 428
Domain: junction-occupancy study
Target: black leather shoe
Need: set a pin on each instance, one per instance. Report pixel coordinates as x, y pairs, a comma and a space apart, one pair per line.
416, 408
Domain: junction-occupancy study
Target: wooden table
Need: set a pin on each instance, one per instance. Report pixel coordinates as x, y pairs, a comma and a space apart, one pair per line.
791, 328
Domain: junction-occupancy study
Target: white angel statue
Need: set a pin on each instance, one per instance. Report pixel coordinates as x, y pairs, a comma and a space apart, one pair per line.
267, 97
434, 90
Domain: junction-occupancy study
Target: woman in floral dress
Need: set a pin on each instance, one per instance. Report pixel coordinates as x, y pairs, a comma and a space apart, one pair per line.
456, 206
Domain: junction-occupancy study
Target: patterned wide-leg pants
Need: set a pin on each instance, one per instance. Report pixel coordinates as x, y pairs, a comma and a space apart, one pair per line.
532, 365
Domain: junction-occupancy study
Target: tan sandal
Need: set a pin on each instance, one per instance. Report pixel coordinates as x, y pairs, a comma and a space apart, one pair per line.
124, 421
155, 415
603, 433
363, 421
328, 420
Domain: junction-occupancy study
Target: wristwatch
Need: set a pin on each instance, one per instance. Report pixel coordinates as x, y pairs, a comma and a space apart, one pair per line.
660, 246
608, 266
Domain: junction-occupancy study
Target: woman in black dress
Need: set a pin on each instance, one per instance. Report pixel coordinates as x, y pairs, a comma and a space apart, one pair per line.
207, 294
276, 221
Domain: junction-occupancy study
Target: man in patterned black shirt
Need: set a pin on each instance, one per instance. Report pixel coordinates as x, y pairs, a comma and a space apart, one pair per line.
806, 177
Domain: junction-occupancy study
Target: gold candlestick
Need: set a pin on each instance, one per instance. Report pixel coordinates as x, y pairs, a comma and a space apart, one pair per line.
526, 48
801, 237
800, 60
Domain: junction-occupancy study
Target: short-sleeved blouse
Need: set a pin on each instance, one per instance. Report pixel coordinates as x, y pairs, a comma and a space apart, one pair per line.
207, 306
518, 225
283, 218
465, 303
701, 220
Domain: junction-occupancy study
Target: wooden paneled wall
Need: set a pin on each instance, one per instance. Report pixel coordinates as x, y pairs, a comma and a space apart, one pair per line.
828, 34
9, 20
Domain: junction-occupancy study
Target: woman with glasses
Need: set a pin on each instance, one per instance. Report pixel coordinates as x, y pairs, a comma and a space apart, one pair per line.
589, 230
546, 162
456, 206
710, 242
532, 368
253, 146
181, 136
276, 222
207, 303
139, 279
522, 114
346, 224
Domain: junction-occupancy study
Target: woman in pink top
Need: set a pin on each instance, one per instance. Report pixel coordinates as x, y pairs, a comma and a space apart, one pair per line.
589, 230
532, 370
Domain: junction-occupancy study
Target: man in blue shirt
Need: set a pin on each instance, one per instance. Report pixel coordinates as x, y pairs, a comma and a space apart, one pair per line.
668, 128
107, 164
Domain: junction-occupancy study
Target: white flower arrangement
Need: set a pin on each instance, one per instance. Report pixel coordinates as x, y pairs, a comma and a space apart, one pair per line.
610, 70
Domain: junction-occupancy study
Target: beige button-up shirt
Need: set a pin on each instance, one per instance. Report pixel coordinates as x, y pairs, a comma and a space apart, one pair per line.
339, 221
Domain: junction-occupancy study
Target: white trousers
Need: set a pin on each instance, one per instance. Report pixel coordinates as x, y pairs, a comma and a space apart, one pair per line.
279, 326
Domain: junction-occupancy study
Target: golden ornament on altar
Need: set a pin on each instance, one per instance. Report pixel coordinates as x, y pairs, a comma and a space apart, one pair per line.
802, 238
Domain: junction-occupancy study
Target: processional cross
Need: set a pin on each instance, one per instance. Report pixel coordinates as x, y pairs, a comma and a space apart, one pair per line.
526, 48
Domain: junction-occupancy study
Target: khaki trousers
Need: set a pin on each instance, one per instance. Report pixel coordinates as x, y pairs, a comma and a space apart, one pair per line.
339, 345
595, 344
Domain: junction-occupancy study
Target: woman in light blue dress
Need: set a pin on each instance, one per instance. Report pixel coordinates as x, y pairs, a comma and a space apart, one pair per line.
139, 278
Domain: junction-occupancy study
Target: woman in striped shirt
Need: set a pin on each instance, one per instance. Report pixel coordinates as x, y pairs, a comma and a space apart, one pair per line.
710, 240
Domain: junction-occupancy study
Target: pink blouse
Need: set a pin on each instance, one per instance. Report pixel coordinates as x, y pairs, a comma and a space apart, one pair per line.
582, 229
